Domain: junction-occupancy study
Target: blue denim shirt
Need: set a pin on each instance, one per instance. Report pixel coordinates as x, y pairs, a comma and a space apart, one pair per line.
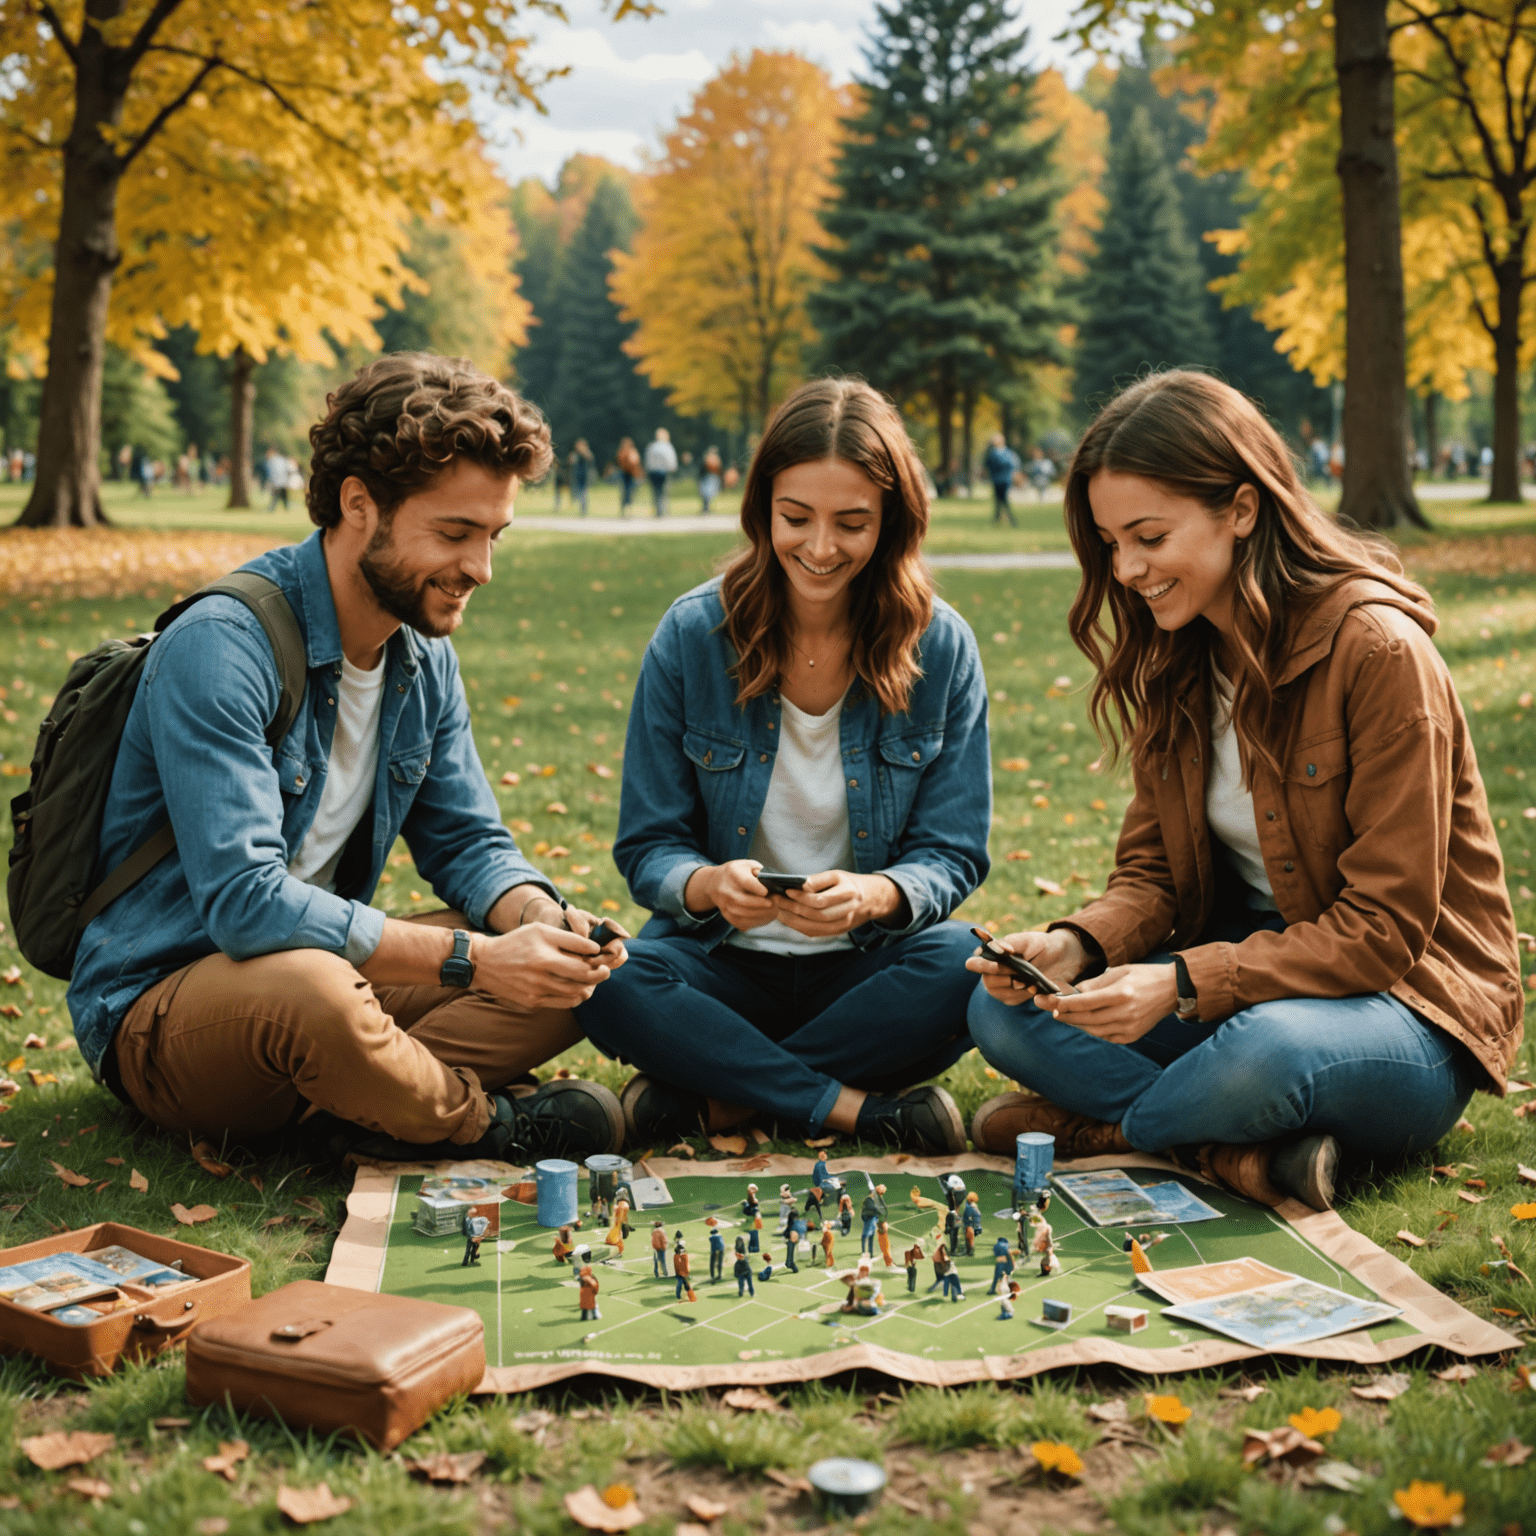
195, 748
697, 766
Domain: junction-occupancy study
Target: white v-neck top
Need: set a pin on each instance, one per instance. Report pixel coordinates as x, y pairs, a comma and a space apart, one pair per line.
1229, 803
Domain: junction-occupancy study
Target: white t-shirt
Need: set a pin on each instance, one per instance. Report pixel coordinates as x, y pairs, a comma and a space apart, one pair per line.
1229, 804
349, 775
804, 826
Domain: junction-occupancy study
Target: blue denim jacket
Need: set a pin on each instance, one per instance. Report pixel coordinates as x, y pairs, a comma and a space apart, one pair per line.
195, 746
697, 766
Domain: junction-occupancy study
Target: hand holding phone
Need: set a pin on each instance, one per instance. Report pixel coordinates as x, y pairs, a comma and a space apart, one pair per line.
1032, 975
778, 883
603, 934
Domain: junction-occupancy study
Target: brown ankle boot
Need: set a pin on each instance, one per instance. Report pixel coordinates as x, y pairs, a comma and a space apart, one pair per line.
999, 1121
1242, 1169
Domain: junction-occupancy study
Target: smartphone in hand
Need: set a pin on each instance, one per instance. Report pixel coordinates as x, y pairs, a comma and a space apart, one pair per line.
602, 935
1020, 966
778, 882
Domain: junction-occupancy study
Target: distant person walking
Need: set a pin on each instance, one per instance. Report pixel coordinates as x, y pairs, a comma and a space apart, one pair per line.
146, 475
1001, 464
709, 480
628, 460
581, 466
275, 471
660, 466
1041, 472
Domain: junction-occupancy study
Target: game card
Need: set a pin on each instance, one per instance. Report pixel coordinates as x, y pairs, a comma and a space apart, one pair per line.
1109, 1197
1281, 1316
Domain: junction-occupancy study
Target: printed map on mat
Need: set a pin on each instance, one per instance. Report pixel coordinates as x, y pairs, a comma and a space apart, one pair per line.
531, 1305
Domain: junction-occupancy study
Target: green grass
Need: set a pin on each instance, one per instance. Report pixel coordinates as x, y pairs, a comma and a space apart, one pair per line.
546, 634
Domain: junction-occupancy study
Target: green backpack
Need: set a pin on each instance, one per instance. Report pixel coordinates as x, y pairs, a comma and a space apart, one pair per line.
51, 887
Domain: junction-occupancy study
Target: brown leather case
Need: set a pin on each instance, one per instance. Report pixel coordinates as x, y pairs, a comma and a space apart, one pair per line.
327, 1357
93, 1349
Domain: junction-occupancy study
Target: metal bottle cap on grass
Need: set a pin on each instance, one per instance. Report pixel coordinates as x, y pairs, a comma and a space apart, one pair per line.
843, 1486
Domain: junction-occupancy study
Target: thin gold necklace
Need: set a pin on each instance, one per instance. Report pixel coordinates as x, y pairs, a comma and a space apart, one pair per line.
810, 660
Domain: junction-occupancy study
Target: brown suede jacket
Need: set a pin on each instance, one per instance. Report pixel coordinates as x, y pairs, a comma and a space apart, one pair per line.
1376, 837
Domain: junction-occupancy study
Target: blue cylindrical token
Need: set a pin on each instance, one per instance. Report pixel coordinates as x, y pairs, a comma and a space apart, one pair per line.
1034, 1153
843, 1486
556, 1182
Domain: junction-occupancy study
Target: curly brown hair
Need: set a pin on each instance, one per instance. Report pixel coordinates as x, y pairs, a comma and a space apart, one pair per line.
399, 422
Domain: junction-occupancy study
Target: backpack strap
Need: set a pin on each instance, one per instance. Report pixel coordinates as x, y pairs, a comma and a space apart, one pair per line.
267, 601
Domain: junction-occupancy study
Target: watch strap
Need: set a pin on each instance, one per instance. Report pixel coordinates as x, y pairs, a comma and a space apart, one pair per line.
458, 969
1188, 1005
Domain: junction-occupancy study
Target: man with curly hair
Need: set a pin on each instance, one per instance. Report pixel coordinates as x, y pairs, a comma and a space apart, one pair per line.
246, 984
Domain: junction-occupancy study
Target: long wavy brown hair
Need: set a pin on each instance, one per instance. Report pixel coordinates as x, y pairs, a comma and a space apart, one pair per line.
891, 599
1202, 439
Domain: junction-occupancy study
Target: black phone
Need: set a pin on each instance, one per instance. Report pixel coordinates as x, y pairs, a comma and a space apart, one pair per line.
778, 882
601, 934
1020, 966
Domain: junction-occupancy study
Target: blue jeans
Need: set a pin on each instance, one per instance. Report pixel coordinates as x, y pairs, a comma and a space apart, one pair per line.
783, 1033
658, 1264
867, 1237
1366, 1069
744, 1286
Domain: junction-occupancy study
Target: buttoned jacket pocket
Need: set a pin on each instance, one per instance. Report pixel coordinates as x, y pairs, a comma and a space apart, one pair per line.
1317, 784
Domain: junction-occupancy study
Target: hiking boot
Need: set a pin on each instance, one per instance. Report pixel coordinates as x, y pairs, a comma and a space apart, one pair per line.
1302, 1170
922, 1120
655, 1111
996, 1126
566, 1118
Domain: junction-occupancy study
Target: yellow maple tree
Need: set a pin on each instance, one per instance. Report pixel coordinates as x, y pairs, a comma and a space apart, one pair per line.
719, 273
254, 170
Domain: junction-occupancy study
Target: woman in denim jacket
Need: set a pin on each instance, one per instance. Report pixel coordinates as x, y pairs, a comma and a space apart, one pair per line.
817, 712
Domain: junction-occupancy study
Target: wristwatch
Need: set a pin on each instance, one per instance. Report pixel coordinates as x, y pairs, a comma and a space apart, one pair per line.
1188, 1004
458, 970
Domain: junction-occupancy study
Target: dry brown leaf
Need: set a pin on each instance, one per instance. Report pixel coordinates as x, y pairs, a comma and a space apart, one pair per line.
1413, 1239
446, 1466
256, 1181
1382, 1389
60, 1449
1465, 1125
785, 1480
68, 1175
690, 1528
705, 1509
587, 1508
231, 1454
34, 1042
9, 1501
212, 1525
1112, 1412
136, 1180
682, 1149
751, 1400
275, 1221
206, 1158
198, 1213
113, 1162
1048, 887
1524, 1174
310, 1203
1508, 1453
1469, 1197
1249, 1394
751, 1164
760, 1137
39, 1078
170, 1423
735, 1145
90, 1487
820, 1141
1287, 1444
1458, 1372
304, 1506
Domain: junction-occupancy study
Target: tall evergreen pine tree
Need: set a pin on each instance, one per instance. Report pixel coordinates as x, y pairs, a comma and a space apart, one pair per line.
595, 390
1142, 298
943, 213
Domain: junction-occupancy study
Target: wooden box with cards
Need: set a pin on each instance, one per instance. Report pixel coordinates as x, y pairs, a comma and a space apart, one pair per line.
82, 1300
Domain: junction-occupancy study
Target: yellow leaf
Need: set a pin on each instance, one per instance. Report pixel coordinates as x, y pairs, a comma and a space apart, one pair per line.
1015, 765
1054, 1456
1167, 1409
609, 904
1314, 1422
16, 1064
39, 1078
1524, 1212
1428, 1505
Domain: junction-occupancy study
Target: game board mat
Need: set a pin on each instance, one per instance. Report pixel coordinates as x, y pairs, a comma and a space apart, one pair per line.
1429, 1318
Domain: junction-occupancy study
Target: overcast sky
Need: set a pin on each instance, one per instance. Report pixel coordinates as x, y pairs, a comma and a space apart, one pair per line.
629, 79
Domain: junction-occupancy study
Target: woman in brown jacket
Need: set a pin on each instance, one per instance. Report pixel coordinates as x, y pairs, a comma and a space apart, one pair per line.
1306, 942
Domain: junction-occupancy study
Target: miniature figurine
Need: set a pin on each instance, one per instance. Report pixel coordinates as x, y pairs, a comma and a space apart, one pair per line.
826, 1241
600, 1216
743, 1270
786, 1210
863, 1291
716, 1249
564, 1247
813, 1200
871, 1212
589, 1290
1002, 1264
952, 1229
970, 1215
1145, 1239
954, 1191
951, 1279
621, 1221
795, 1231
1010, 1294
845, 1212
658, 1250
913, 1257
475, 1228
752, 1212
940, 1259
766, 1272
820, 1173
680, 1262
581, 1255
1042, 1240
883, 1237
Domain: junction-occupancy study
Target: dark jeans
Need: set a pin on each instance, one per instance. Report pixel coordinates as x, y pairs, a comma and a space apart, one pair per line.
1366, 1069
783, 1033
658, 491
1000, 507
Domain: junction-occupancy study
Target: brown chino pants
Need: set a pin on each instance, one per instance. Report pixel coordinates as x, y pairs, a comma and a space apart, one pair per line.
243, 1046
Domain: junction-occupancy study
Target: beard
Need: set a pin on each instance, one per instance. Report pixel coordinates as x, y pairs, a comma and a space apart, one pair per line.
400, 592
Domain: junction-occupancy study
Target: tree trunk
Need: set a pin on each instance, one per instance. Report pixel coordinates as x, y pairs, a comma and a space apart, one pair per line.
967, 423
67, 492
944, 402
1432, 432
242, 424
1509, 276
1378, 488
